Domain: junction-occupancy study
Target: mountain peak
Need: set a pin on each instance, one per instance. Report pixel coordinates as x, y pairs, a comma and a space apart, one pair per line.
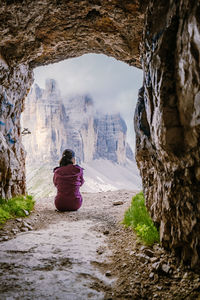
73, 122
51, 85
51, 91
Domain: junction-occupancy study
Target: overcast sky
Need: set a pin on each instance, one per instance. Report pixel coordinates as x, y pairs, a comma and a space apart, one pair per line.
112, 84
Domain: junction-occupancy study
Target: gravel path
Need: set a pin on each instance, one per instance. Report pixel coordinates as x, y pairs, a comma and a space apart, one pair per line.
53, 255
87, 254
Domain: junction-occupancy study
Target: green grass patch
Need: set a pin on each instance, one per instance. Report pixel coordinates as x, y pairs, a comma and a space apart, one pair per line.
139, 219
15, 207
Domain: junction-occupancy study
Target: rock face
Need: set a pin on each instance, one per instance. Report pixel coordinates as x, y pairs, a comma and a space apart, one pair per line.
167, 124
15, 83
40, 32
57, 123
45, 118
34, 33
80, 127
111, 138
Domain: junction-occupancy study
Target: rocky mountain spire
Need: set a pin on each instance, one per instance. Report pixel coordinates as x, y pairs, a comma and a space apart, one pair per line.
75, 124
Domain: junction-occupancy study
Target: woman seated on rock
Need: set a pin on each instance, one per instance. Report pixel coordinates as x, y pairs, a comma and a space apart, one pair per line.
68, 178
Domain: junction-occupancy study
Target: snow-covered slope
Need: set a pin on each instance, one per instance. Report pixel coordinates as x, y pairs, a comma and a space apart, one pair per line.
104, 175
100, 175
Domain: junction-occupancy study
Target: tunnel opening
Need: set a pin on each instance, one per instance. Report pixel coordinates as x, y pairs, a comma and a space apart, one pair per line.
85, 104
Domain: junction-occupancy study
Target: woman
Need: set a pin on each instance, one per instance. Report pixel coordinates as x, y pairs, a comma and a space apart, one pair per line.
68, 178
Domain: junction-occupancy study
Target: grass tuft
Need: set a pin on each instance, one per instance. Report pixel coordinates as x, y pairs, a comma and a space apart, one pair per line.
138, 218
15, 207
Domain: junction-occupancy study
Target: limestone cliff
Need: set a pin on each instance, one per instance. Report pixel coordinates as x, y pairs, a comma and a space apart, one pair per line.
45, 118
111, 138
57, 123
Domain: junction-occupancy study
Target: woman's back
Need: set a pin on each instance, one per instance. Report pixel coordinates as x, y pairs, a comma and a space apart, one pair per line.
68, 180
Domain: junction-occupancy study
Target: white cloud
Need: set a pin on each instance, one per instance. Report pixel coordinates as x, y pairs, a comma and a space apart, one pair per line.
112, 84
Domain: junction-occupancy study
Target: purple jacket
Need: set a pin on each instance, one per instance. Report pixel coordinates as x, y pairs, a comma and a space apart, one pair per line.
68, 180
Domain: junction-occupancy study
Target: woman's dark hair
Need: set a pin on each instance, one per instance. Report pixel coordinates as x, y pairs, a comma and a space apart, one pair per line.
67, 156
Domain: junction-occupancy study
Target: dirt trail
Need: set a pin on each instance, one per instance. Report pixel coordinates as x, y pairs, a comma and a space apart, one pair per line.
87, 254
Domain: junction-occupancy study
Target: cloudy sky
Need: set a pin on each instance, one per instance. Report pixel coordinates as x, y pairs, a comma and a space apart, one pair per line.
112, 84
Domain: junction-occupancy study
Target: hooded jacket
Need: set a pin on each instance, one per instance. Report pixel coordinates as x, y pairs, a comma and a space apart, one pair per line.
68, 180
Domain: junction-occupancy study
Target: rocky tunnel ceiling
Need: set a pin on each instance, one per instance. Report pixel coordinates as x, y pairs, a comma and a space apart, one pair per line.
167, 118
43, 32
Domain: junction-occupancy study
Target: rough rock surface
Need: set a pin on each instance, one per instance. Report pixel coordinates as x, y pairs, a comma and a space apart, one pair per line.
40, 32
45, 118
15, 84
34, 33
111, 138
167, 124
57, 123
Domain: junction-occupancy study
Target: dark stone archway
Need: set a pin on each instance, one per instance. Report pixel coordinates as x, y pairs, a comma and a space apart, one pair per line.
34, 33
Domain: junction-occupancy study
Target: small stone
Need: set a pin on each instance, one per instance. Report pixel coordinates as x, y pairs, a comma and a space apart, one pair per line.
132, 253
25, 224
5, 238
14, 230
24, 229
143, 248
156, 266
151, 275
106, 232
118, 202
143, 258
155, 295
100, 251
185, 275
158, 249
165, 268
154, 259
19, 220
26, 212
148, 252
108, 273
159, 288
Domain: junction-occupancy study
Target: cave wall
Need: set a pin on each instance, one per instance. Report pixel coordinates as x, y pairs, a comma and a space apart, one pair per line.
167, 123
15, 83
35, 33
